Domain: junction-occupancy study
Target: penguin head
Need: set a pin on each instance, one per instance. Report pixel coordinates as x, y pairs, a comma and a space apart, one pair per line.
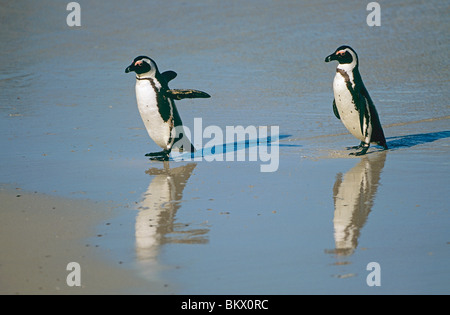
144, 67
345, 55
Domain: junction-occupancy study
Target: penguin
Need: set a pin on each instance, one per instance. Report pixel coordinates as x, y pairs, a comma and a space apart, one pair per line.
157, 107
352, 103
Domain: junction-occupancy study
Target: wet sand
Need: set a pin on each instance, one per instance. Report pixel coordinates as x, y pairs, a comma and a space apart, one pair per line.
75, 185
40, 235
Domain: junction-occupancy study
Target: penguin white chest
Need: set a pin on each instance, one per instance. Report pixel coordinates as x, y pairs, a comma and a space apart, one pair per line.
346, 107
147, 100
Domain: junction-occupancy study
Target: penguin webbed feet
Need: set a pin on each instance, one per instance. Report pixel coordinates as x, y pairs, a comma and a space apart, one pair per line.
159, 156
363, 151
356, 147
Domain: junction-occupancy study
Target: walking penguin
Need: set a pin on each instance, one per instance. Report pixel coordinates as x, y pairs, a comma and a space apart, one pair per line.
352, 103
157, 107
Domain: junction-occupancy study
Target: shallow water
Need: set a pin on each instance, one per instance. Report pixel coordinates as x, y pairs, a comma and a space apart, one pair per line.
70, 127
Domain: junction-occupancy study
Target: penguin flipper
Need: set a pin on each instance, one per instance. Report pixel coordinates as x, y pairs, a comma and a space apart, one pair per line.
169, 75
179, 94
335, 110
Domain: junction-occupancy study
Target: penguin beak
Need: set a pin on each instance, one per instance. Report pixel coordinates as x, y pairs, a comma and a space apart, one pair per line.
129, 68
331, 57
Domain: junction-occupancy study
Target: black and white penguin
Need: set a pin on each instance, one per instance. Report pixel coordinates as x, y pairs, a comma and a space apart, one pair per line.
352, 103
157, 107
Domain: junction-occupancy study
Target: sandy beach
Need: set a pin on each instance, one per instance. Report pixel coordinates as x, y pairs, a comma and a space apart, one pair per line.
75, 185
42, 234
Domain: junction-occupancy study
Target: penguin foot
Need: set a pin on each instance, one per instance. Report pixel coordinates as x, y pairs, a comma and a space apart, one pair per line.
159, 156
362, 152
356, 146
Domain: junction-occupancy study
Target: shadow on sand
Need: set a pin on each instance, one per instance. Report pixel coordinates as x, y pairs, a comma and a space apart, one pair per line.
400, 142
227, 148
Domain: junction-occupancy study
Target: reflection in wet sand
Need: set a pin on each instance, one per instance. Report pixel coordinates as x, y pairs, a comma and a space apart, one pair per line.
353, 195
155, 222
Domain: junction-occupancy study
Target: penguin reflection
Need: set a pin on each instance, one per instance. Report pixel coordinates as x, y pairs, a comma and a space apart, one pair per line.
353, 200
155, 222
